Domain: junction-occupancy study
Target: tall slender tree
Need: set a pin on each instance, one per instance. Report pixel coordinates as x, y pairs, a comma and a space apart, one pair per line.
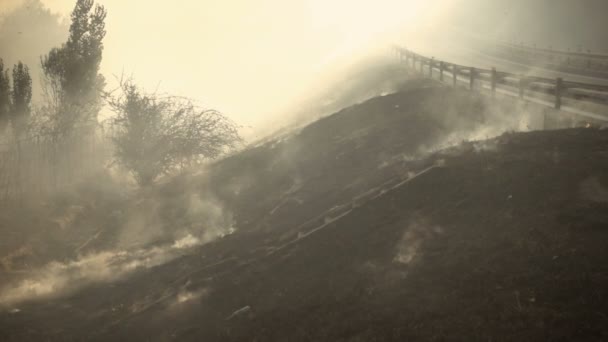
21, 98
5, 97
72, 70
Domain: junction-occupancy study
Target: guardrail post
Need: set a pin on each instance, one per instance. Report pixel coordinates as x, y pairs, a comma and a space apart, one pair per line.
454, 74
472, 78
431, 62
494, 80
441, 67
559, 85
522, 82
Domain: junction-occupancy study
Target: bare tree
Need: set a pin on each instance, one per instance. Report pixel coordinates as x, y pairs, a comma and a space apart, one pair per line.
154, 135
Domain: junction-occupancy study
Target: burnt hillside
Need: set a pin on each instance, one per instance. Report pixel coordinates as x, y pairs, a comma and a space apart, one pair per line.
377, 223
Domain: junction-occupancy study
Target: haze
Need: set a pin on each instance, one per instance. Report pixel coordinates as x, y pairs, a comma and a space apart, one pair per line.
254, 60
248, 59
303, 170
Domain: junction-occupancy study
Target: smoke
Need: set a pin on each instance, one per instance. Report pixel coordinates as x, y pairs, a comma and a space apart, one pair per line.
220, 52
9, 5
241, 64
418, 231
372, 74
591, 189
59, 278
186, 296
140, 246
497, 118
230, 55
108, 233
561, 24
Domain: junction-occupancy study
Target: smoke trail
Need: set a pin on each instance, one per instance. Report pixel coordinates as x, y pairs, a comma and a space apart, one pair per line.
57, 278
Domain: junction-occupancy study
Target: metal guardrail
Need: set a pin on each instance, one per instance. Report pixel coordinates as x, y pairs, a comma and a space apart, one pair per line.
531, 86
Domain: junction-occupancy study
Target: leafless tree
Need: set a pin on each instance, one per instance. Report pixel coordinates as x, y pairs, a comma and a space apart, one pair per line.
156, 134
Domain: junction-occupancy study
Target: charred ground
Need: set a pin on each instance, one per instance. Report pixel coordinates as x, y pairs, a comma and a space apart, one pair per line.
367, 226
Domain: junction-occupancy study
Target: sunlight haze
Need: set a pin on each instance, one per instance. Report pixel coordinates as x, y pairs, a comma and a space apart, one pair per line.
251, 60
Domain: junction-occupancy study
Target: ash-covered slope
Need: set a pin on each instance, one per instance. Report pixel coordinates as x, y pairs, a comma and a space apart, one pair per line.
361, 228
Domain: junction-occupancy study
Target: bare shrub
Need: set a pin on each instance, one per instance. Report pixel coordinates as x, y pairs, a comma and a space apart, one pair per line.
154, 134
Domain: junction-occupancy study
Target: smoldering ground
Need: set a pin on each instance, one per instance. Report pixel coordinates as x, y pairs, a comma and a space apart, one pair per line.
151, 230
153, 226
123, 230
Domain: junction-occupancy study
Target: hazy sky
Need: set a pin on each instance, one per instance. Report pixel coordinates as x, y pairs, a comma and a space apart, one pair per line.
251, 59
246, 58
